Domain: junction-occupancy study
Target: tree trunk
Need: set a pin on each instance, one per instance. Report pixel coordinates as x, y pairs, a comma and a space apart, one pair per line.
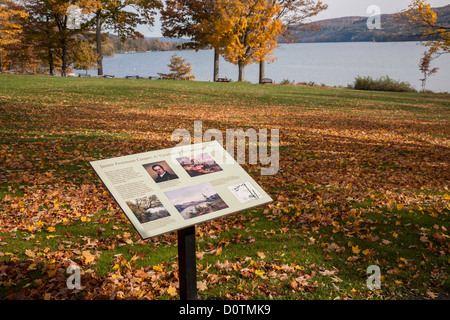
50, 62
63, 29
49, 49
262, 71
241, 66
216, 66
98, 34
64, 58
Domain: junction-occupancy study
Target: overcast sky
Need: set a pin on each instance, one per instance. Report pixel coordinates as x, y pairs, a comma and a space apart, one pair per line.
336, 9
344, 8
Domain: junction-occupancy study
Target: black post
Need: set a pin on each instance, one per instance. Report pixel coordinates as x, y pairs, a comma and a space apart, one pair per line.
187, 264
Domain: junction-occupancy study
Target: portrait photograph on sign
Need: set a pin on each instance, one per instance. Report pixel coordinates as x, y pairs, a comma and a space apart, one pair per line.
160, 171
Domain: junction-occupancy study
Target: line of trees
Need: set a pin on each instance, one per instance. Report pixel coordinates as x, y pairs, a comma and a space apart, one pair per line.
40, 34
37, 34
115, 44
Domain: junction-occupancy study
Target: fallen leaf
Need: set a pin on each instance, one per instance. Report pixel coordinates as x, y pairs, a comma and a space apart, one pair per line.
172, 291
201, 286
30, 253
259, 273
356, 249
88, 257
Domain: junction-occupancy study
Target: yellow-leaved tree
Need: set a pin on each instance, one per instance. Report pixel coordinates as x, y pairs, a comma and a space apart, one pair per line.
421, 16
9, 26
246, 32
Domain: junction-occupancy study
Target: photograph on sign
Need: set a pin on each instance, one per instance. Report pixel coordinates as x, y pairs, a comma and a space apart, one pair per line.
199, 164
196, 200
147, 209
166, 190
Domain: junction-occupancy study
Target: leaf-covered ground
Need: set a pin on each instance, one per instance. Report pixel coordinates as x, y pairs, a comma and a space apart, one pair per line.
363, 180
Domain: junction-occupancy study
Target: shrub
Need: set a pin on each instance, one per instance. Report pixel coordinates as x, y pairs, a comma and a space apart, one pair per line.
382, 84
287, 81
181, 69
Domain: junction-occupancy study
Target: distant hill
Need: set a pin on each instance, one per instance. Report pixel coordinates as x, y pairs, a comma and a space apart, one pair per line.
345, 29
348, 29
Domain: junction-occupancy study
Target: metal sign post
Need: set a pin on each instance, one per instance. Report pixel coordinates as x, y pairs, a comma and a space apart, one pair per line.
187, 264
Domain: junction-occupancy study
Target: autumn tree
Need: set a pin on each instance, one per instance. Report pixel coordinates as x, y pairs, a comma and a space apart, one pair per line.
184, 18
425, 68
50, 23
180, 69
246, 32
10, 28
420, 15
85, 57
123, 17
40, 32
295, 15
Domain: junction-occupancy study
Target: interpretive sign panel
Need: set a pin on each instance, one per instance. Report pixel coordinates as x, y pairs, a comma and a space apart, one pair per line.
166, 190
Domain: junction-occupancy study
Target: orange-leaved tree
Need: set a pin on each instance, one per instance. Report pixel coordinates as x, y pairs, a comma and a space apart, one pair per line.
246, 32
295, 15
51, 20
10, 28
420, 15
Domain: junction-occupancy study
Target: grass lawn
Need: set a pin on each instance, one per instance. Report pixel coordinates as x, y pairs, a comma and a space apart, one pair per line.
364, 180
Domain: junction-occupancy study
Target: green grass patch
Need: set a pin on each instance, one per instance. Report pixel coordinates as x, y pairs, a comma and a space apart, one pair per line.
362, 181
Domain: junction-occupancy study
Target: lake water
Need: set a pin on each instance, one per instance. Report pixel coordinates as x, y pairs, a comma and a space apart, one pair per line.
332, 64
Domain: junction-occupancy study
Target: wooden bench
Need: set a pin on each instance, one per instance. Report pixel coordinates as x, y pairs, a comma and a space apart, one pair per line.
223, 80
266, 81
95, 76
